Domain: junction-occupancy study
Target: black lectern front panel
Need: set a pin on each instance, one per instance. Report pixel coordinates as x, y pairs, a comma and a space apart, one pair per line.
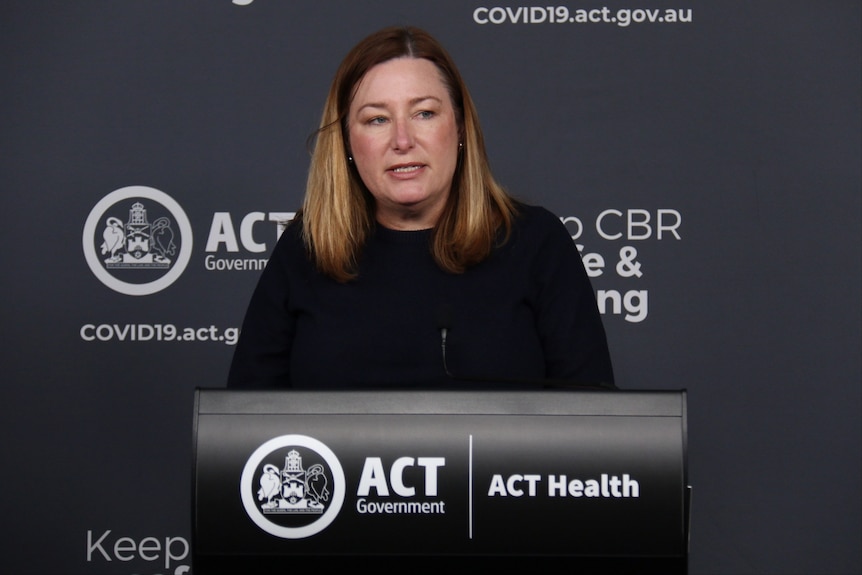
290, 475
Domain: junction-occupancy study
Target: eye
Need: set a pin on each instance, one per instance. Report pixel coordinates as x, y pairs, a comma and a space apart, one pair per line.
376, 120
426, 114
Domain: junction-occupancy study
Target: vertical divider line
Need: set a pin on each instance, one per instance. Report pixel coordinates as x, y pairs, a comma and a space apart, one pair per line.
470, 488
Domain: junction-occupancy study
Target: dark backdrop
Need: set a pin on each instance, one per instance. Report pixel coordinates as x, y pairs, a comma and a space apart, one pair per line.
737, 128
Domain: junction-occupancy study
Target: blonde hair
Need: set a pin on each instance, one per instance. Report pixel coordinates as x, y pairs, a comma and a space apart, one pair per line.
337, 213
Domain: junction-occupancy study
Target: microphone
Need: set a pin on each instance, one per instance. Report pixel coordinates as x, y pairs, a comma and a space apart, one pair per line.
444, 320
444, 325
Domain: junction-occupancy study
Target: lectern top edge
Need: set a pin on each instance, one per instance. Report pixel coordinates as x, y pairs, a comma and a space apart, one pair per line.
658, 403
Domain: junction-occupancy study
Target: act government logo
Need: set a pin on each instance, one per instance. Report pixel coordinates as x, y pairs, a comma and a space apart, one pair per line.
137, 240
292, 486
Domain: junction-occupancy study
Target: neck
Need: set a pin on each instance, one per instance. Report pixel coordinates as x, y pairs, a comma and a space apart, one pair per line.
406, 219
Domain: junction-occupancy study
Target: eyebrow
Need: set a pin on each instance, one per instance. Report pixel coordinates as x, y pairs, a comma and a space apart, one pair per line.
413, 102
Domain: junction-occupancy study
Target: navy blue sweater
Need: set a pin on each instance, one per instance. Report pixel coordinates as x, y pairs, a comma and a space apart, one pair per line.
527, 313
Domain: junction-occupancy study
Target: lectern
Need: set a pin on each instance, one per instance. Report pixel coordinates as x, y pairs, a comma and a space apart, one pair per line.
424, 481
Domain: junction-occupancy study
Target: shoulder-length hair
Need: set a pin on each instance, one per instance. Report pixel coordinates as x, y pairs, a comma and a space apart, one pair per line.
337, 214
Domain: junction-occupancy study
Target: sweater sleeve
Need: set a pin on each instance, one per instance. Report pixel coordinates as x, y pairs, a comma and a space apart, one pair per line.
567, 317
262, 355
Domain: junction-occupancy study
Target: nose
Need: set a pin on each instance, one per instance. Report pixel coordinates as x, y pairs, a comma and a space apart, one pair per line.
402, 135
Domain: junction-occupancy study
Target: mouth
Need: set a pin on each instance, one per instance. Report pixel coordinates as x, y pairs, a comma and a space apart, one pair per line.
406, 168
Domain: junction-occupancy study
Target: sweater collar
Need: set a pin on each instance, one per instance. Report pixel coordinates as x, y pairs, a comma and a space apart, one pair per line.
388, 235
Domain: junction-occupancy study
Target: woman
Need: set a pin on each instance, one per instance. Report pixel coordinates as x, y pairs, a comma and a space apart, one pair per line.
408, 265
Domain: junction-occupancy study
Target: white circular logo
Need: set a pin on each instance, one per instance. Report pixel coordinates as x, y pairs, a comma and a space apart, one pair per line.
137, 240
292, 486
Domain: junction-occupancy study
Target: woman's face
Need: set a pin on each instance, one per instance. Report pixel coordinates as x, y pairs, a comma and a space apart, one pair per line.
403, 137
